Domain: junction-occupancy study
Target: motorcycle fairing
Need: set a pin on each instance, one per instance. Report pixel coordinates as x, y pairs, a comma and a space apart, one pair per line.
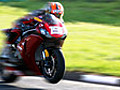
28, 47
51, 27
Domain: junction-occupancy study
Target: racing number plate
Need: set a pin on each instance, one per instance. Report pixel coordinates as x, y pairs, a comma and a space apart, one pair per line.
56, 30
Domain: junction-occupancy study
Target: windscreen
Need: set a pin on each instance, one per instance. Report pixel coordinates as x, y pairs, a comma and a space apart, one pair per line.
50, 19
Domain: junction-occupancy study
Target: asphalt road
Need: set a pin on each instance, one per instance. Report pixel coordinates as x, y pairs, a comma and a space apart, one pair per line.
38, 83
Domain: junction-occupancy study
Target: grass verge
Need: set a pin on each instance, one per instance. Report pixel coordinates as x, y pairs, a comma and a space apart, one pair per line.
92, 48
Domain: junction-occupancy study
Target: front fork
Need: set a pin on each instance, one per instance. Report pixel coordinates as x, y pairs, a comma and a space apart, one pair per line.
45, 54
45, 57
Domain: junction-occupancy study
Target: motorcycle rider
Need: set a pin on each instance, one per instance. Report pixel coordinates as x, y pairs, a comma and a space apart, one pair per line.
28, 22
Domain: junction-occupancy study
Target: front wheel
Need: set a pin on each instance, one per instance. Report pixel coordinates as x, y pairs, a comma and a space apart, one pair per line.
53, 66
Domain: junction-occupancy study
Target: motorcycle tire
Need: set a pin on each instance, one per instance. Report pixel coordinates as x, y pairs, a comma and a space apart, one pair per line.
58, 66
7, 77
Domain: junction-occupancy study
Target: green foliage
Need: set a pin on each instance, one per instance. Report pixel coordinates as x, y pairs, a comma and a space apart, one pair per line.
102, 1
105, 13
79, 10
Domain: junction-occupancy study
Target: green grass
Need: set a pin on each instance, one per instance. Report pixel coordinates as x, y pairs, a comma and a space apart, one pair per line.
94, 48
2, 40
93, 43
105, 13
78, 10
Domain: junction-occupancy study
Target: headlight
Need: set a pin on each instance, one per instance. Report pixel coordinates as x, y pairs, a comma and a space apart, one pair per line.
45, 33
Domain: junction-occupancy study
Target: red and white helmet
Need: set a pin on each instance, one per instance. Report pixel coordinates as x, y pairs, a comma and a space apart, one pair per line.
55, 8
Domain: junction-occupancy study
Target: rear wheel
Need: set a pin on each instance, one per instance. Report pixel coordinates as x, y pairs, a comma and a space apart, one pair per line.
6, 75
53, 67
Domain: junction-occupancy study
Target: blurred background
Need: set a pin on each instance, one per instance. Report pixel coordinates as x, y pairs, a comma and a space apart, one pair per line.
93, 42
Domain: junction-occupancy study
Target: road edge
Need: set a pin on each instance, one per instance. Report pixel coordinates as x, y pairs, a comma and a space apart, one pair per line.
92, 78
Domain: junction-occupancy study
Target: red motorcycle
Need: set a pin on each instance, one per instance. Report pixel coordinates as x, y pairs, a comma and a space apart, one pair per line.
38, 52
